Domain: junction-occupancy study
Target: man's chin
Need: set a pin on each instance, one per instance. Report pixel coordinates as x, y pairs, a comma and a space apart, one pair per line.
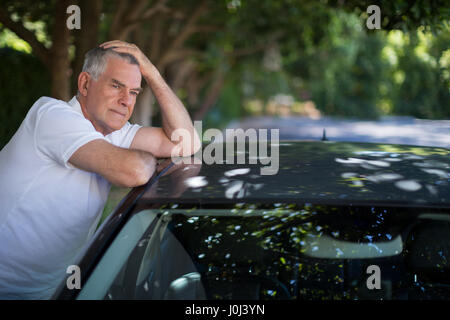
116, 125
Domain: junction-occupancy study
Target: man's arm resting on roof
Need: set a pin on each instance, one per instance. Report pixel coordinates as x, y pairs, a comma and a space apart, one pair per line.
122, 167
177, 129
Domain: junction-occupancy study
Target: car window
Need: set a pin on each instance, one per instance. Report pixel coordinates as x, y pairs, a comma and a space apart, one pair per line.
277, 251
116, 255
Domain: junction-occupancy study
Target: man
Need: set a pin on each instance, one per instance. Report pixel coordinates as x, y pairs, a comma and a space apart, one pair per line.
56, 171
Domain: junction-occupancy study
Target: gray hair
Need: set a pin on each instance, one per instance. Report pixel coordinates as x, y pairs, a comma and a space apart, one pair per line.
95, 60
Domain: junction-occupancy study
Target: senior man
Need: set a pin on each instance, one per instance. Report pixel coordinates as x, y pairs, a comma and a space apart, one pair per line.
56, 171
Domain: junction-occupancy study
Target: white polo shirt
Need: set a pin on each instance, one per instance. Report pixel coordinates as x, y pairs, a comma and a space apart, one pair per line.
48, 208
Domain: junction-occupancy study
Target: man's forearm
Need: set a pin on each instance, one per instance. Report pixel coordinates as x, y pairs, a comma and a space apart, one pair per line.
173, 113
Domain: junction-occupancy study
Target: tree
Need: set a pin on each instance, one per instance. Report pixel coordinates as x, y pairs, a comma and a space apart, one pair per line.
88, 36
19, 89
196, 44
54, 56
422, 81
407, 15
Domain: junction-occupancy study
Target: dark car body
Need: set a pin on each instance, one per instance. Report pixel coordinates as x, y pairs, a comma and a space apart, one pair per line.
337, 221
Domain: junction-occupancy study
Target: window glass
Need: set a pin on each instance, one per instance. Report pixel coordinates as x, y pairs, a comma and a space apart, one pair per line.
286, 251
116, 256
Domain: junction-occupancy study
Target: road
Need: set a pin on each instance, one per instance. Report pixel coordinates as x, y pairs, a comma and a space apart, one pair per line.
394, 130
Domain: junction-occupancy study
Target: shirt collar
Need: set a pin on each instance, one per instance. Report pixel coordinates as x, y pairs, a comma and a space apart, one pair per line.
75, 104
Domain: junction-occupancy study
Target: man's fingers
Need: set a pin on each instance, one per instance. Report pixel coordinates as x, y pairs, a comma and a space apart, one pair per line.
112, 41
121, 49
108, 43
131, 48
117, 43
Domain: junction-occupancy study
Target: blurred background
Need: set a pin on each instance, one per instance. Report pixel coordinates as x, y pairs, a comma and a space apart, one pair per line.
300, 66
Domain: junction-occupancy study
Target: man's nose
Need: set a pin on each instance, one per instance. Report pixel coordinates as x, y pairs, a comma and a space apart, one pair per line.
126, 98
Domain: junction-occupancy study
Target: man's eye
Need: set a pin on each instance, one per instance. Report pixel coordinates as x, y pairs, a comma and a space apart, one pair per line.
115, 86
134, 93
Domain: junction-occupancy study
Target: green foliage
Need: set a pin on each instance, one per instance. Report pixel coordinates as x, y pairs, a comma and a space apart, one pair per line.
261, 83
423, 91
23, 81
406, 15
227, 108
36, 16
346, 70
328, 55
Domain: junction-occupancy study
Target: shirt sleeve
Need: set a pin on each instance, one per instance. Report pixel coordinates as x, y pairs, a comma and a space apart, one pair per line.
124, 137
60, 131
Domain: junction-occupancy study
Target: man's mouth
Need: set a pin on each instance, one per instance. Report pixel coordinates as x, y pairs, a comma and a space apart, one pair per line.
119, 113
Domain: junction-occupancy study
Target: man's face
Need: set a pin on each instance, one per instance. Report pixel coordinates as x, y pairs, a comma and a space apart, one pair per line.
110, 99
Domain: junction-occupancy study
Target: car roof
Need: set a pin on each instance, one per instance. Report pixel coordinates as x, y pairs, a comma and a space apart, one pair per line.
314, 172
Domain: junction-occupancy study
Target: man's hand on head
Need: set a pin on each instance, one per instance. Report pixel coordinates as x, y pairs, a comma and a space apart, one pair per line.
146, 66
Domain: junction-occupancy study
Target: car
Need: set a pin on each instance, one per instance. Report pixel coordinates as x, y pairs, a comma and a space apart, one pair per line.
338, 221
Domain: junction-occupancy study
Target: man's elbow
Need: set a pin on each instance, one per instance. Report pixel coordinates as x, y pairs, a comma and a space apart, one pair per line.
145, 170
140, 171
140, 178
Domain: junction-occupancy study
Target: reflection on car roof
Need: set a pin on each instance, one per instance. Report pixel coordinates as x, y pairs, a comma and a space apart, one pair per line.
317, 172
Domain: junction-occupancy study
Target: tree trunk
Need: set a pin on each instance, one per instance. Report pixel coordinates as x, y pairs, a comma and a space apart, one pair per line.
87, 37
211, 97
143, 109
181, 72
59, 53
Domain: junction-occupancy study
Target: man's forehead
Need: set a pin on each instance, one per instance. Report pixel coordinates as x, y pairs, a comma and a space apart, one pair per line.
124, 85
122, 71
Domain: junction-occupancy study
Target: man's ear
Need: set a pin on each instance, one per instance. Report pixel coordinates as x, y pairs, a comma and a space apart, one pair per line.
83, 83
